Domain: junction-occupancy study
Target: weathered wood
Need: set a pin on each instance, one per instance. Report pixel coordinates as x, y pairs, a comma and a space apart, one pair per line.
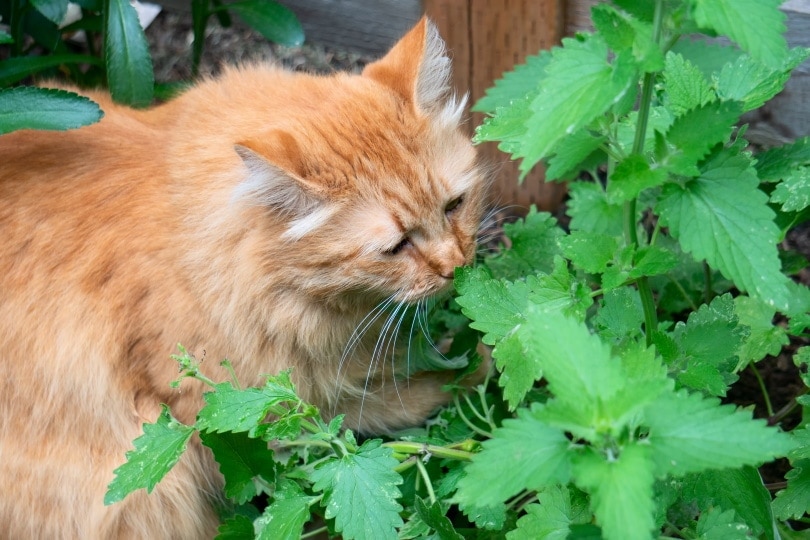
486, 39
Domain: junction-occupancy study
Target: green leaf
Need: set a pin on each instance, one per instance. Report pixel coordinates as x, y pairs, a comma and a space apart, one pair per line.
536, 454
275, 22
533, 245
794, 501
687, 88
626, 34
690, 433
434, 516
519, 371
590, 251
360, 492
495, 306
794, 190
722, 217
229, 409
580, 81
738, 489
590, 210
53, 10
696, 131
571, 152
285, 517
238, 527
719, 525
765, 338
241, 461
45, 108
522, 81
155, 453
15, 69
129, 66
753, 83
551, 518
621, 315
632, 176
507, 125
755, 25
621, 490
776, 163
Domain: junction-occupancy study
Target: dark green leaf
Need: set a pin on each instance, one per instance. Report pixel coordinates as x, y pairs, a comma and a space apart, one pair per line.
434, 516
285, 517
241, 461
533, 245
129, 66
794, 501
44, 108
696, 131
275, 22
53, 10
236, 528
13, 70
776, 163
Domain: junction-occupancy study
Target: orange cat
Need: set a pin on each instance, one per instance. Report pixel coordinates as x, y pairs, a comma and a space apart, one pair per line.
258, 217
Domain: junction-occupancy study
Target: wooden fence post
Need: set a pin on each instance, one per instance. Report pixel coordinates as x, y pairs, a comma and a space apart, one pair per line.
486, 38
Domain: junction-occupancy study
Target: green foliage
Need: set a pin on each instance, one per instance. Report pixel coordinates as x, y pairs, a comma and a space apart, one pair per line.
613, 339
124, 64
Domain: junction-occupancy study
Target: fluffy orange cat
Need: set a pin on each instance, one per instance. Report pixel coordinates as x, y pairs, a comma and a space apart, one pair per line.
258, 217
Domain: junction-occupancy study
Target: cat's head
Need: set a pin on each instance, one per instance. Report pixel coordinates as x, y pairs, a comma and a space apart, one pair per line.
377, 185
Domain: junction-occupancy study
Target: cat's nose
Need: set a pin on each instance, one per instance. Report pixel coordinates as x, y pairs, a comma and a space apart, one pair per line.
452, 259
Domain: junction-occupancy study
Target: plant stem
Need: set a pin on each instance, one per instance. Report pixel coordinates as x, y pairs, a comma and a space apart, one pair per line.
467, 421
415, 448
426, 477
762, 387
707, 283
199, 17
316, 532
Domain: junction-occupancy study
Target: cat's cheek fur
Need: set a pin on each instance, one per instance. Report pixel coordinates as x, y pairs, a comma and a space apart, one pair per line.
260, 239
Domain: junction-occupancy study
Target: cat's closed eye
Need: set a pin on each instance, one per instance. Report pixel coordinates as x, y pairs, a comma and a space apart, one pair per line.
399, 247
453, 205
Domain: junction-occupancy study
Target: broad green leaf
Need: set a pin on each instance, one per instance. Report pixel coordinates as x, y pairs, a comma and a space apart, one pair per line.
491, 518
626, 34
717, 524
518, 370
794, 501
560, 291
360, 492
776, 163
285, 517
155, 453
620, 315
590, 210
551, 517
687, 88
229, 409
765, 337
522, 81
241, 461
494, 306
129, 65
621, 490
755, 25
738, 489
434, 516
793, 192
752, 83
272, 20
708, 56
632, 176
571, 152
53, 10
589, 251
580, 81
238, 527
690, 433
533, 244
537, 457
696, 131
25, 107
722, 217
507, 125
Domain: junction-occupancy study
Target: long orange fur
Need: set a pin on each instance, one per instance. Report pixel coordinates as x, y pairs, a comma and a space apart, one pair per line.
258, 217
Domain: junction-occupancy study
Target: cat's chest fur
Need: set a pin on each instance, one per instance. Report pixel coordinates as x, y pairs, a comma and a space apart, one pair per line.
259, 217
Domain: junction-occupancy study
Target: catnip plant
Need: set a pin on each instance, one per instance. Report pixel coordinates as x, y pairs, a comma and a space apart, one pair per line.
615, 339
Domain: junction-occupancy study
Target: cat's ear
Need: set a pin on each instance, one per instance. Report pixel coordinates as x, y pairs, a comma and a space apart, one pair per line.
276, 179
418, 69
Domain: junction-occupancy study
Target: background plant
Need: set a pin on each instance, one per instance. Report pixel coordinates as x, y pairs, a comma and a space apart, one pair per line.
615, 339
114, 53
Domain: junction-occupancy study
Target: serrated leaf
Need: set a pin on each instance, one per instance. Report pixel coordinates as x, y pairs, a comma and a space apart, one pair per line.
559, 291
129, 65
229, 409
687, 88
696, 131
632, 176
624, 33
716, 524
722, 217
620, 315
752, 83
755, 25
776, 163
490, 518
794, 501
580, 81
518, 370
571, 152
285, 517
155, 453
794, 190
272, 20
494, 306
589, 251
550, 518
434, 516
533, 245
621, 490
241, 460
590, 210
522, 81
690, 433
507, 125
360, 493
44, 108
537, 455
238, 527
765, 338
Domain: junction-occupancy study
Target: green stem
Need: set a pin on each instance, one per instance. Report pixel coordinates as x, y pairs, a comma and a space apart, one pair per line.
467, 421
426, 477
199, 17
315, 533
421, 449
763, 389
707, 283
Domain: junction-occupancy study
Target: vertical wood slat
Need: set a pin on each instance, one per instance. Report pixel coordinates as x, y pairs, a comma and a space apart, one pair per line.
487, 38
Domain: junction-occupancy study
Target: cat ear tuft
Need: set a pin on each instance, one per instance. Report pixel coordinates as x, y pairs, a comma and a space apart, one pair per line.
275, 179
419, 70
